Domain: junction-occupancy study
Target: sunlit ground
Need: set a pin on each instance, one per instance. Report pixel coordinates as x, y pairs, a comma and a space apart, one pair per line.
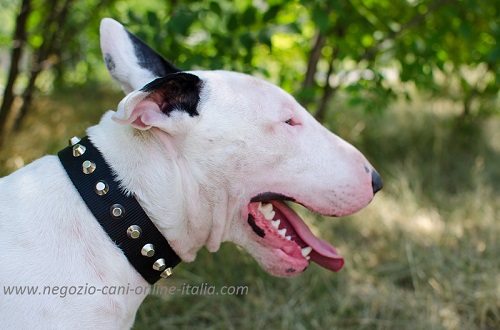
423, 255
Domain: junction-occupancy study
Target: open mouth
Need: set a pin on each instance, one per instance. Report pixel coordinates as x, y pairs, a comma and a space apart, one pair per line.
280, 227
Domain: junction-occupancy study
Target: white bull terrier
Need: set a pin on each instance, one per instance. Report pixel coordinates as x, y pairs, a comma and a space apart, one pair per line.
210, 156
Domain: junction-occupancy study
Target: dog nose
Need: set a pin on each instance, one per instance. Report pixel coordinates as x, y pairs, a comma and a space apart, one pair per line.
376, 182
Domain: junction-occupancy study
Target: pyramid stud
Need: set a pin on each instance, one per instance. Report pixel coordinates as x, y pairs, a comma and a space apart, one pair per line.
166, 273
134, 231
117, 211
74, 140
88, 167
78, 150
159, 265
101, 188
148, 250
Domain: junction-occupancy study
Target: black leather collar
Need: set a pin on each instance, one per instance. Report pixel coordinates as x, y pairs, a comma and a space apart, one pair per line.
119, 214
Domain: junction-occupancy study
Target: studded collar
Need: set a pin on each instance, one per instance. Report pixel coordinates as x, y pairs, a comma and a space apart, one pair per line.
119, 213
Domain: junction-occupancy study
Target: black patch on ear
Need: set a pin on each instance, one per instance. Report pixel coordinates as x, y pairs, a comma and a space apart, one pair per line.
177, 91
110, 63
259, 231
150, 59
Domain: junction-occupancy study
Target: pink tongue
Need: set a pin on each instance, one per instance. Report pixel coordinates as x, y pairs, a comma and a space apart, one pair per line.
322, 252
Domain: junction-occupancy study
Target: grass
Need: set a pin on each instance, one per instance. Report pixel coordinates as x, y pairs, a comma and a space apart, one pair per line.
423, 255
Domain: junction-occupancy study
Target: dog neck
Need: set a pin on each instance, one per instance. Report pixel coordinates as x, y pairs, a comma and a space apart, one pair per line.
148, 165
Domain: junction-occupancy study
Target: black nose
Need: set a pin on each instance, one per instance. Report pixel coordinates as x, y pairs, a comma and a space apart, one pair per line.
376, 182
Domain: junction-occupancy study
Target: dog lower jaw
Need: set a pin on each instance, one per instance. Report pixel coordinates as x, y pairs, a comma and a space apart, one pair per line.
283, 232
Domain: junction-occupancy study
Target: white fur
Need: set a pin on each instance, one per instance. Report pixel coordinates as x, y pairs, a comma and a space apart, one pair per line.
194, 177
115, 41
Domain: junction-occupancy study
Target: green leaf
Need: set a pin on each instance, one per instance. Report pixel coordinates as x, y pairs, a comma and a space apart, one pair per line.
367, 40
466, 31
320, 17
215, 7
494, 55
181, 22
271, 13
152, 18
306, 94
247, 40
249, 16
134, 17
265, 36
232, 23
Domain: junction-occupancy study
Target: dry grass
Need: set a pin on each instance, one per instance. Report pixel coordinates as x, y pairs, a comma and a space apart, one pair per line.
52, 122
423, 255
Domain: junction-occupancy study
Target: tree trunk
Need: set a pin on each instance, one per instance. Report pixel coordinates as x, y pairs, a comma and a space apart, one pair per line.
370, 54
53, 33
328, 90
19, 41
312, 64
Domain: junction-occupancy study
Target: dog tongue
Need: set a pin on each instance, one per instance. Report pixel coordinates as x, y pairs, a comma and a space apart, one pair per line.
322, 252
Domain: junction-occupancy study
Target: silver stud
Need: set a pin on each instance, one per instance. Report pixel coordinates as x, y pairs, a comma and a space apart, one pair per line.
74, 140
78, 150
134, 231
166, 273
159, 265
88, 167
101, 188
117, 211
148, 250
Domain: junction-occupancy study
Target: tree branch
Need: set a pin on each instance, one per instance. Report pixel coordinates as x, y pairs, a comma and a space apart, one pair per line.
54, 28
314, 58
369, 55
328, 90
415, 20
17, 50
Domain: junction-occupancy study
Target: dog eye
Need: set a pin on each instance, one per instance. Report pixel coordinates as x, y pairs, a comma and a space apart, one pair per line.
291, 122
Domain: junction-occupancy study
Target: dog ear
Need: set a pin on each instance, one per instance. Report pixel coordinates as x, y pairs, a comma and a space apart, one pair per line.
163, 103
129, 60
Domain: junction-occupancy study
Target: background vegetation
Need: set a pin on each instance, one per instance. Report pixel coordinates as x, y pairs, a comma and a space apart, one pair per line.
413, 84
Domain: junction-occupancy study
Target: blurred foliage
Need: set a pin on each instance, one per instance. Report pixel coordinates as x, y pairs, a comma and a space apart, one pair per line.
371, 50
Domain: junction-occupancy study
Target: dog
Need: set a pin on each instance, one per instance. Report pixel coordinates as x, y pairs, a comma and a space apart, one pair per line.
210, 156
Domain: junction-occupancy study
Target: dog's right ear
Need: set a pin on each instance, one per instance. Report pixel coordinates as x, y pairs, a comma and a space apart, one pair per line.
129, 60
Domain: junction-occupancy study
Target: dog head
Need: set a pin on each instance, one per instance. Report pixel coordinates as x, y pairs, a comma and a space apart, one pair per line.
246, 149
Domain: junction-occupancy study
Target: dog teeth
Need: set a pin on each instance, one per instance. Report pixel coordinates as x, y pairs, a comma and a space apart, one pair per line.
269, 216
306, 251
276, 223
288, 237
282, 232
267, 210
265, 207
308, 258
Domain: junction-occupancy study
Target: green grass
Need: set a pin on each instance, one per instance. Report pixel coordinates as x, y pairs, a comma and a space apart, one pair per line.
423, 255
